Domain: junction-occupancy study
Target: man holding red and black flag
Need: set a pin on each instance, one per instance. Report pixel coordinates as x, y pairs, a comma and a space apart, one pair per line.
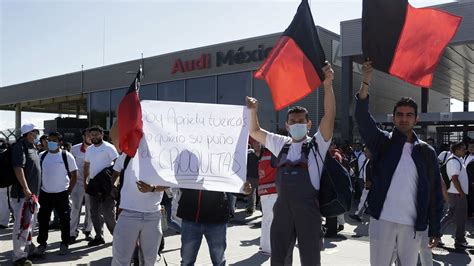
405, 201
296, 67
139, 201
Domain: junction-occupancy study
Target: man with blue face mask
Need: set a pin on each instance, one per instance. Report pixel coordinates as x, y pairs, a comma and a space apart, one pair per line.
296, 210
59, 174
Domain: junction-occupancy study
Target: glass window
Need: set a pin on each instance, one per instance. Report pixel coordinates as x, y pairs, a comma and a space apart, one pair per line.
171, 91
267, 115
148, 92
201, 90
115, 97
99, 108
232, 88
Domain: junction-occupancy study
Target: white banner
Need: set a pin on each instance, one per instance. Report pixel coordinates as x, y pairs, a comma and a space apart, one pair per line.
194, 145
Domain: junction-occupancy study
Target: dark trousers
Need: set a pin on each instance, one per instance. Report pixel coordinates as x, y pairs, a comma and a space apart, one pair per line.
296, 220
49, 202
457, 214
470, 201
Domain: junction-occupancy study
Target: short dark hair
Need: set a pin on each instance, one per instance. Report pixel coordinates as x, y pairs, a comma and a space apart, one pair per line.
55, 134
406, 101
96, 128
456, 146
84, 131
43, 137
297, 110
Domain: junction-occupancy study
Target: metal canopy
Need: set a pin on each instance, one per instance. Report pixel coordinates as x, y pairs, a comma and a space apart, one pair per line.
454, 76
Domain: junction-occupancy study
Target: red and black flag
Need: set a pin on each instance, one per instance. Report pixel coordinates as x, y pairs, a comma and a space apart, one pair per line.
404, 41
130, 124
293, 69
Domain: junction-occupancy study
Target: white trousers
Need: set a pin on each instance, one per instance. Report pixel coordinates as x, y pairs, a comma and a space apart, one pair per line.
386, 236
132, 226
267, 202
77, 196
20, 247
361, 207
4, 210
426, 256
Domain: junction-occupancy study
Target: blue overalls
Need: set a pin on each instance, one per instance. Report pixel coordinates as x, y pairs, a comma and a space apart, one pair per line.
296, 212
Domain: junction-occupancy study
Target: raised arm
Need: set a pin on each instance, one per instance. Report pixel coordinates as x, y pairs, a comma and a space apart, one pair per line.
368, 129
326, 127
256, 132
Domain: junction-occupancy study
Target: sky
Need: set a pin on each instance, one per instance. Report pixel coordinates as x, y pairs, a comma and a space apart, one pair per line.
40, 39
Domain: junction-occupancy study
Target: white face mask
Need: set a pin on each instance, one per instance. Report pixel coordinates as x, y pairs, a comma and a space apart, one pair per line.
298, 131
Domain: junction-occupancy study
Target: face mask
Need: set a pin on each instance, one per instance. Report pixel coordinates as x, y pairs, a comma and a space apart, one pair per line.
52, 146
298, 131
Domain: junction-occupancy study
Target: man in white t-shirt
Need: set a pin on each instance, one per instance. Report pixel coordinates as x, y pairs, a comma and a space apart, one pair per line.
59, 173
78, 195
443, 157
98, 157
405, 200
470, 153
140, 216
296, 211
457, 191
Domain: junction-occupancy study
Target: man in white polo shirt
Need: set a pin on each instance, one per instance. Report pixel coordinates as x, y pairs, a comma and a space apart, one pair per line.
99, 156
59, 173
457, 191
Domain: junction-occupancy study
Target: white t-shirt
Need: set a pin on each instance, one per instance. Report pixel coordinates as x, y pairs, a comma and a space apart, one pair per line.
453, 167
275, 143
469, 158
443, 156
100, 157
79, 156
54, 174
400, 203
130, 197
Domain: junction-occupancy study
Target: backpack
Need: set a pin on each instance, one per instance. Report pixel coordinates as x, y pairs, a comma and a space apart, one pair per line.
63, 155
444, 172
7, 174
335, 192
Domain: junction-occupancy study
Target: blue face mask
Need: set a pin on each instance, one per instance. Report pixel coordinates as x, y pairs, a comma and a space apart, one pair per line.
52, 146
298, 131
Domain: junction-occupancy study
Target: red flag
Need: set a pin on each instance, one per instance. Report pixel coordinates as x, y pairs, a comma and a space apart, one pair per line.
404, 41
130, 124
294, 67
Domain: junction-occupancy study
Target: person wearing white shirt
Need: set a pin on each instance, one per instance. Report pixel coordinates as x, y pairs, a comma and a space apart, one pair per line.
59, 173
470, 155
78, 195
296, 212
443, 157
469, 163
405, 199
98, 157
140, 215
458, 189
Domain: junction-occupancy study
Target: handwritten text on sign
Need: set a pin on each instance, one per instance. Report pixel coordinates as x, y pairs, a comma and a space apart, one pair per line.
194, 145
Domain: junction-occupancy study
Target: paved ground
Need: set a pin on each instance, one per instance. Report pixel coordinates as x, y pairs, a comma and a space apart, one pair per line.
243, 236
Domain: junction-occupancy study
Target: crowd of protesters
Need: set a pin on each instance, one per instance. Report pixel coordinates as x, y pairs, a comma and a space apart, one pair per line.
281, 178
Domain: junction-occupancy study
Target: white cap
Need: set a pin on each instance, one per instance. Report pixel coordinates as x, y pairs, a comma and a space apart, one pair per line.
28, 127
